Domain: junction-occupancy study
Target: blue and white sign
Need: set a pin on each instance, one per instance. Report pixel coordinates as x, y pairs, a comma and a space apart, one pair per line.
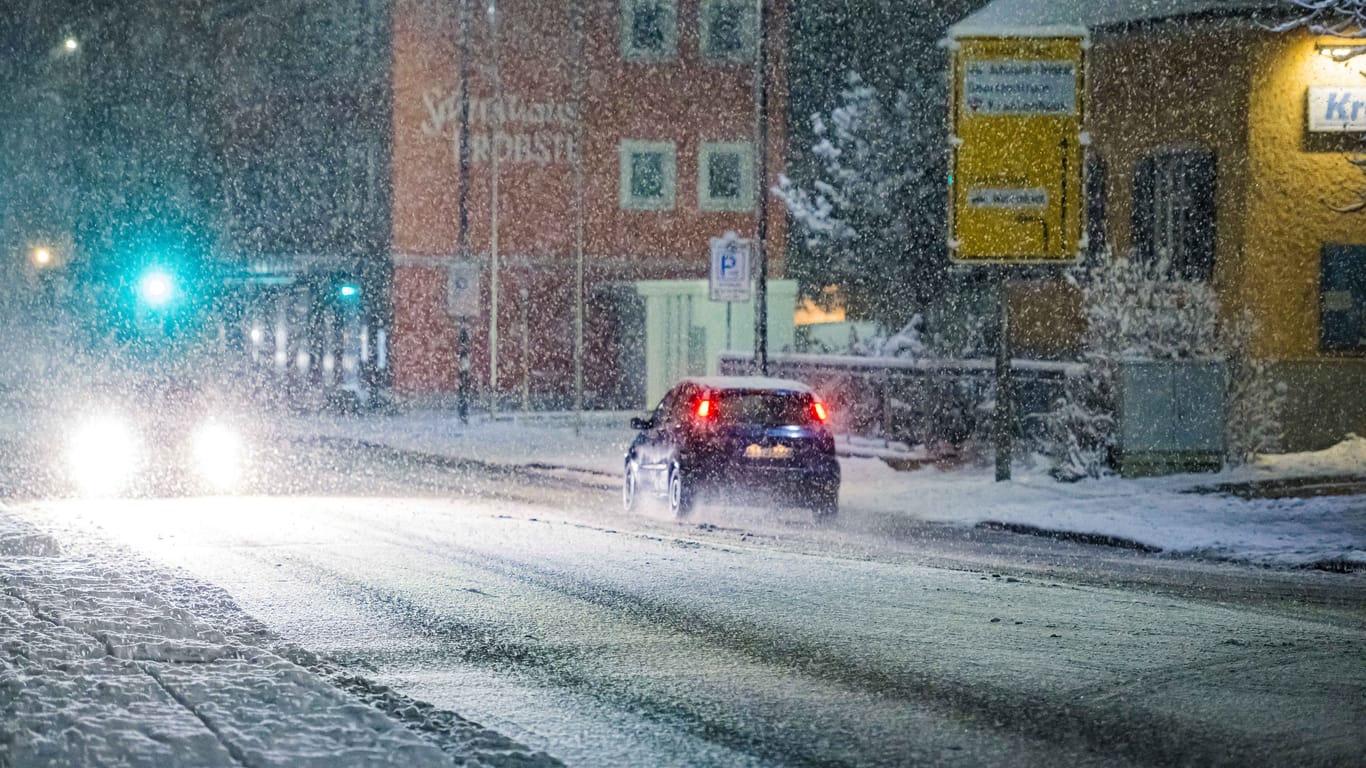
730, 268
1337, 109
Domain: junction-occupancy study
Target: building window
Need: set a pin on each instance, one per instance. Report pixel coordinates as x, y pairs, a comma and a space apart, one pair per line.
728, 30
1174, 213
1342, 298
649, 30
725, 176
647, 175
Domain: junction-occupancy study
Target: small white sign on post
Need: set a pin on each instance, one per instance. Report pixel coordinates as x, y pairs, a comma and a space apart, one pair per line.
462, 288
730, 268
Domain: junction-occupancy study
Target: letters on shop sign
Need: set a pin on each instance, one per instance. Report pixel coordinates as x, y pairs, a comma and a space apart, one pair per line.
520, 130
1337, 109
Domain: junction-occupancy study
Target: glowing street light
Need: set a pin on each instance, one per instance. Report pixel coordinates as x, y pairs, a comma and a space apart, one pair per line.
71, 44
42, 256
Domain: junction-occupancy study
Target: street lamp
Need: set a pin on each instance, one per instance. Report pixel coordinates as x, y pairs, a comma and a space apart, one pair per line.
42, 256
71, 44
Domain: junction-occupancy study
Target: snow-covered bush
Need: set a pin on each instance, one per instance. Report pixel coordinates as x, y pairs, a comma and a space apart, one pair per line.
1255, 399
1133, 310
1137, 310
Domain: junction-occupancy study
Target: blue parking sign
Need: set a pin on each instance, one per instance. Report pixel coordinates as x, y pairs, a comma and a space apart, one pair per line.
730, 268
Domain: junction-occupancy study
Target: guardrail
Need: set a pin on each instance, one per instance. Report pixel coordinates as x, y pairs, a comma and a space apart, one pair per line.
920, 401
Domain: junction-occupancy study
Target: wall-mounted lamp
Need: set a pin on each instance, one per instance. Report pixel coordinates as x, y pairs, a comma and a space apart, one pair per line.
1341, 50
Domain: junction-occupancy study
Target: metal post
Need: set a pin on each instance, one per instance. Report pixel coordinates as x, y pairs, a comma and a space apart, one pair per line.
493, 217
1004, 425
761, 191
463, 339
577, 156
462, 400
525, 318
729, 305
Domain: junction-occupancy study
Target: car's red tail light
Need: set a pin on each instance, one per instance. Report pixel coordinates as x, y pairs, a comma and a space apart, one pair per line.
704, 410
818, 408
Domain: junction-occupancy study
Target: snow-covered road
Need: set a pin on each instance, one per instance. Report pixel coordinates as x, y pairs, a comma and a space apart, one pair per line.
542, 613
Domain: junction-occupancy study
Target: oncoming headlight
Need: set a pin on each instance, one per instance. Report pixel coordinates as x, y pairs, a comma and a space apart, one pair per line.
219, 455
103, 455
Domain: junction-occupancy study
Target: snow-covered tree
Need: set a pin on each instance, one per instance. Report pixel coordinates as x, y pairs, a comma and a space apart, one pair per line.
872, 214
1137, 310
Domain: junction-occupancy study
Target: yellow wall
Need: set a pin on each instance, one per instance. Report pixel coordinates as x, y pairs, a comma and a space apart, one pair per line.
1296, 177
1167, 88
1240, 93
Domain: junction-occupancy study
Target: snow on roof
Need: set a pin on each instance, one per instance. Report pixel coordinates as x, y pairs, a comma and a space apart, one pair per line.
748, 382
1056, 18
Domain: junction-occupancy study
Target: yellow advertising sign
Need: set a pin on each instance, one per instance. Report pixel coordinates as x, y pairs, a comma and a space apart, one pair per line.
1015, 192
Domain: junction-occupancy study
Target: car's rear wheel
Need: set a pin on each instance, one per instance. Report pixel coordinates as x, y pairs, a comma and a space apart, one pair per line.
825, 503
630, 487
680, 492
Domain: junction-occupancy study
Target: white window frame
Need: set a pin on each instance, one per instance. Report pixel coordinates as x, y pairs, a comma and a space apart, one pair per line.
629, 147
631, 53
708, 149
746, 55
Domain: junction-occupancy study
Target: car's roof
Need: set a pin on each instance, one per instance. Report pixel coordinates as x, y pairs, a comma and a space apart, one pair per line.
747, 383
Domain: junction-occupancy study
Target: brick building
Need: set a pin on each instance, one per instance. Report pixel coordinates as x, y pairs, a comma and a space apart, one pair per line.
654, 104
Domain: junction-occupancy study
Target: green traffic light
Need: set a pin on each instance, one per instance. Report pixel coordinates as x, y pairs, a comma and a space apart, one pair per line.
349, 290
156, 289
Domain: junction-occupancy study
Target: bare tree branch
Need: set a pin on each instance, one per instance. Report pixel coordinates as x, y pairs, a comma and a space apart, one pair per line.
1338, 18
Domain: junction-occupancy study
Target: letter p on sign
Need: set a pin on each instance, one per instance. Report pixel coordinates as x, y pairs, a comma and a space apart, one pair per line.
730, 268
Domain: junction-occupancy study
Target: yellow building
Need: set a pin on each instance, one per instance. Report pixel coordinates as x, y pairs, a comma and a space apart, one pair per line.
1226, 145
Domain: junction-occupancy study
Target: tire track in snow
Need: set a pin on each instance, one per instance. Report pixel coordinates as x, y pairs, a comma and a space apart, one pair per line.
1032, 716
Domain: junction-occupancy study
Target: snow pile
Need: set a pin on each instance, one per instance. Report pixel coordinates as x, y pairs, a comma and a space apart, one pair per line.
1161, 514
1347, 457
97, 670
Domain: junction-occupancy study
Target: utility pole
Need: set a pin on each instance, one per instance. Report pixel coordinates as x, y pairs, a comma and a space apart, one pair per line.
462, 352
493, 214
577, 158
761, 190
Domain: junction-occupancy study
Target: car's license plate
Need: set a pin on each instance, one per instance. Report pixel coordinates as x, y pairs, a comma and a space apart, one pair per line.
756, 451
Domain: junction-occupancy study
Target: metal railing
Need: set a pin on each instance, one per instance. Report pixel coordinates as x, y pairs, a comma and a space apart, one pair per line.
917, 401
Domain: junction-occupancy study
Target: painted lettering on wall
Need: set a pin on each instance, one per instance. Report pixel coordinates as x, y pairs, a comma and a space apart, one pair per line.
518, 129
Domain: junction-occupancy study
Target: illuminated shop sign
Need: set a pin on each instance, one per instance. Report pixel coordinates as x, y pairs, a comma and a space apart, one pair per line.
1334, 109
519, 129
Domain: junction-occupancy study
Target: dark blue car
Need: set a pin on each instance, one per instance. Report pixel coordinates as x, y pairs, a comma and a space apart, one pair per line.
734, 438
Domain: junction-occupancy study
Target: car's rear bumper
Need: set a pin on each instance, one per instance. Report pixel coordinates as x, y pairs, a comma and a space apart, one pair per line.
742, 473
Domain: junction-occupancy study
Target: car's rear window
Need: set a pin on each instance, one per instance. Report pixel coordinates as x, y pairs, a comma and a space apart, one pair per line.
767, 409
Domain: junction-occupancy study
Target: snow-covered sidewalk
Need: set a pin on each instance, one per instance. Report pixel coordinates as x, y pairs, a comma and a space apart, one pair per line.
98, 668
1167, 514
